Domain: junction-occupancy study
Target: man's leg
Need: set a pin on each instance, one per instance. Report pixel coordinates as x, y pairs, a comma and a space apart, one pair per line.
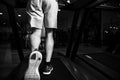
35, 39
35, 57
49, 44
35, 20
50, 22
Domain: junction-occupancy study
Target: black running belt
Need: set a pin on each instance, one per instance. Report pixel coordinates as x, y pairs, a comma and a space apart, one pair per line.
60, 72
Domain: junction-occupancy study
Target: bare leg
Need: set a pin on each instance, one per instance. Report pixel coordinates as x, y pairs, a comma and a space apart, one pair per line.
49, 44
35, 39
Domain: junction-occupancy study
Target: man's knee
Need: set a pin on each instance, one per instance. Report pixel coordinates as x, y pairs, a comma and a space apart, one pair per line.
35, 32
49, 33
49, 30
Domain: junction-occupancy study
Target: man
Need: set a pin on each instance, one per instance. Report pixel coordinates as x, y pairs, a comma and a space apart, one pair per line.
41, 12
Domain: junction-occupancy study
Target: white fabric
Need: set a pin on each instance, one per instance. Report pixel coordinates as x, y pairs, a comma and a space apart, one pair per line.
42, 12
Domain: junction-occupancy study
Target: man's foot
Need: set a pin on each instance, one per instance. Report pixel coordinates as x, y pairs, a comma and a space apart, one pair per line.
32, 72
47, 70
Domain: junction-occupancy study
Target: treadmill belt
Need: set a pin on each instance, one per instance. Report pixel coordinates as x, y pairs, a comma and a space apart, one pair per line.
60, 72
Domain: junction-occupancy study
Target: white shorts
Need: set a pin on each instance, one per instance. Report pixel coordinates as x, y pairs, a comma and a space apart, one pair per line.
42, 13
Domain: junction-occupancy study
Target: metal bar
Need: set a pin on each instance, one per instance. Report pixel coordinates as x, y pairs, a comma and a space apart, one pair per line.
73, 28
81, 28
